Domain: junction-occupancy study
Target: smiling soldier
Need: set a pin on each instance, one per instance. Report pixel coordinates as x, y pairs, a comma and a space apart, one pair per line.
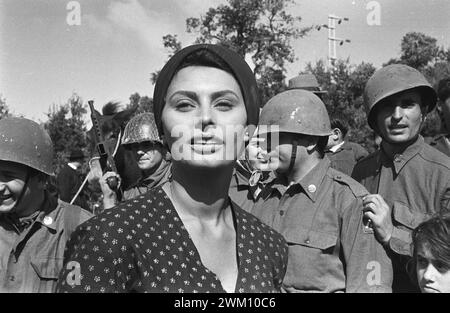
34, 225
408, 180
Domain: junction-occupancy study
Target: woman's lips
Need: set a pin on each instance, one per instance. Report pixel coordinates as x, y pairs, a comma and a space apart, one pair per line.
206, 147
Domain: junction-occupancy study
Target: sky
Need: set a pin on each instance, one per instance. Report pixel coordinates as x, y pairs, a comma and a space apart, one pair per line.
118, 43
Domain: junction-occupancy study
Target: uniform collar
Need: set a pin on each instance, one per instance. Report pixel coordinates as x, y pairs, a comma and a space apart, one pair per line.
337, 147
47, 215
399, 160
72, 166
310, 183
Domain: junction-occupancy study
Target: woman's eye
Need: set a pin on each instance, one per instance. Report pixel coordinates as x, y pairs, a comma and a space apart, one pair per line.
184, 106
224, 105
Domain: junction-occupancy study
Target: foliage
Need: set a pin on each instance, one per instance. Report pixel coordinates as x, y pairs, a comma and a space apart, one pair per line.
67, 128
4, 110
345, 87
258, 29
144, 103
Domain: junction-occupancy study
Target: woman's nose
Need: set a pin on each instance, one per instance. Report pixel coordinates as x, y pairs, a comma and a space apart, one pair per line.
206, 115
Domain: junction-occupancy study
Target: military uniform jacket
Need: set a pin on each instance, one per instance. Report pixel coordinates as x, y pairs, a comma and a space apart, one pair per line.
160, 177
440, 142
416, 185
346, 157
321, 218
31, 255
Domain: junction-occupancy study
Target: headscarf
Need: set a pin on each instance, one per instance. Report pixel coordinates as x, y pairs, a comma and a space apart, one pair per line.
240, 70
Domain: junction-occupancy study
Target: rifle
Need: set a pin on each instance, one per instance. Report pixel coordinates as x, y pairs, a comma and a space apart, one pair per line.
106, 158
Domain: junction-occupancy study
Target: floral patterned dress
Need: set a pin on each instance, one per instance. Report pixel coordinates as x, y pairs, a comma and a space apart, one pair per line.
142, 246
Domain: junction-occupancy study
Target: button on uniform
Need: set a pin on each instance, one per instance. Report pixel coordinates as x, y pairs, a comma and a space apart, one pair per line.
48, 220
312, 188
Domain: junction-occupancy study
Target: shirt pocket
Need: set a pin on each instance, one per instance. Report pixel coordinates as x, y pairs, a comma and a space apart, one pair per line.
311, 238
313, 262
405, 216
47, 268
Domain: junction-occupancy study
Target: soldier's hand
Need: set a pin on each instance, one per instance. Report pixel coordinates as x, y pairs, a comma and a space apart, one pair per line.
106, 189
109, 195
379, 212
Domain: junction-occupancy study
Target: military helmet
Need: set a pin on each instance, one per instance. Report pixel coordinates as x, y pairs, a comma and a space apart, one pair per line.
296, 111
141, 128
23, 141
391, 80
306, 82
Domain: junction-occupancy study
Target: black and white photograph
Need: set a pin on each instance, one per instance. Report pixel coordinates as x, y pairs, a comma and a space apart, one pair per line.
238, 148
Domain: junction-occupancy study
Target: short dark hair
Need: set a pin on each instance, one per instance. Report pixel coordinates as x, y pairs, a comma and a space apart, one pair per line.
338, 120
443, 89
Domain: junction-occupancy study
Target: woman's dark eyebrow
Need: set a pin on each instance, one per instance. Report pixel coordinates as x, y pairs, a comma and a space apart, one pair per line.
194, 96
189, 94
222, 93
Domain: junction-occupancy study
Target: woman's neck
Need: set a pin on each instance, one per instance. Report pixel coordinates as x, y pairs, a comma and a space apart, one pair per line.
199, 193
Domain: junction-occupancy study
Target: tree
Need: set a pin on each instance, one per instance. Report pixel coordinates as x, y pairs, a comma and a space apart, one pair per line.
259, 29
4, 110
144, 103
67, 128
418, 50
345, 85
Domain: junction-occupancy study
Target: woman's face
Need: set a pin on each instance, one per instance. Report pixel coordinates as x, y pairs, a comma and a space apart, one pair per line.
432, 274
204, 117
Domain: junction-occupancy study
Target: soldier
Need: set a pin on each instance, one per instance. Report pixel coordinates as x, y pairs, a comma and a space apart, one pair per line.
408, 180
307, 82
152, 157
69, 180
343, 153
315, 207
442, 141
34, 226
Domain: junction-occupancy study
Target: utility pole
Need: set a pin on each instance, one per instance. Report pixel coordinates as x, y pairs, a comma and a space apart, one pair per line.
332, 39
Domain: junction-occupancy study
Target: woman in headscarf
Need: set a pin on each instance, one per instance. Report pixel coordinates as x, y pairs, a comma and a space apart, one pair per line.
187, 236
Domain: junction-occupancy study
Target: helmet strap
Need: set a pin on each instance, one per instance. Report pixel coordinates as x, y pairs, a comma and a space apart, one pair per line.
119, 140
24, 189
293, 155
